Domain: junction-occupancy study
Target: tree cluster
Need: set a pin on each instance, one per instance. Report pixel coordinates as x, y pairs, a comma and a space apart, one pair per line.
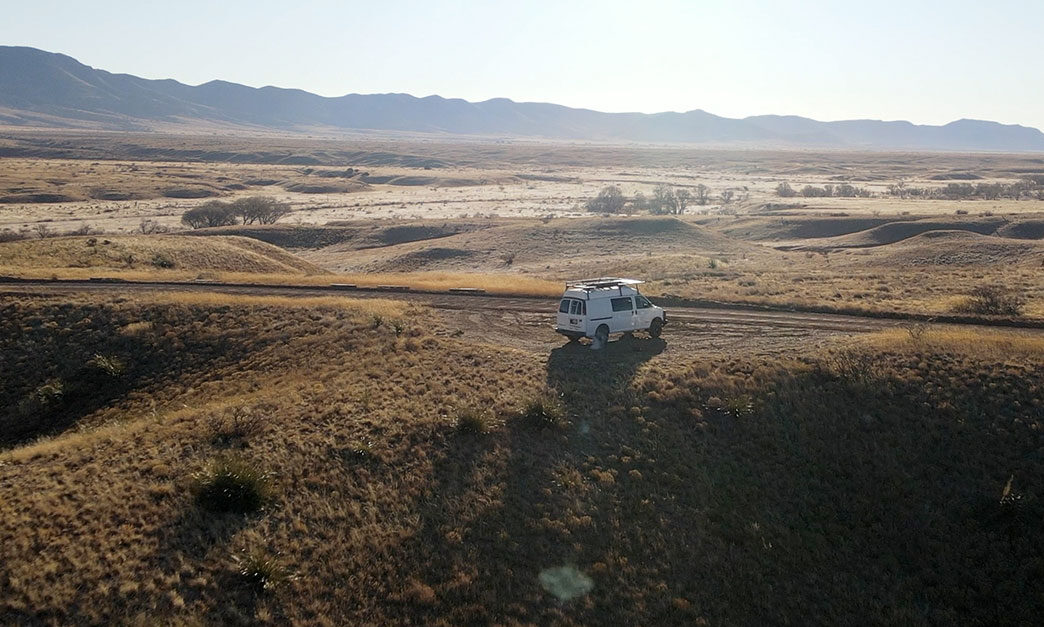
844, 190
609, 200
1028, 188
255, 209
665, 200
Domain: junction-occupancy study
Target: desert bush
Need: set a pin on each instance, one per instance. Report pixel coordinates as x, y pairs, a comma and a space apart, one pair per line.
45, 397
991, 300
83, 229
543, 410
471, 420
261, 571
11, 236
108, 365
609, 200
43, 231
854, 366
149, 226
784, 190
162, 260
231, 484
209, 214
236, 425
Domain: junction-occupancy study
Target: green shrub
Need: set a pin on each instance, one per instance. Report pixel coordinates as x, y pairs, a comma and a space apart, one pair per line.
473, 421
162, 260
262, 572
543, 410
44, 398
231, 484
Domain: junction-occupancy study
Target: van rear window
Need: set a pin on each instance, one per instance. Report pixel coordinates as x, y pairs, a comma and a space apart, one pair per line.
573, 306
622, 304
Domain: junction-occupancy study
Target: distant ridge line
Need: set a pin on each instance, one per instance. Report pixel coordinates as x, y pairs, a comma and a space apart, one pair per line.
41, 89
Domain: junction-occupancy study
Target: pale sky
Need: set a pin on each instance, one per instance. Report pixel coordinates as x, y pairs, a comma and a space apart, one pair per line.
927, 61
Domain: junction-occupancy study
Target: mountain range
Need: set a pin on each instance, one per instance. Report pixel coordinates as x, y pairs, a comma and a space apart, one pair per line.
44, 89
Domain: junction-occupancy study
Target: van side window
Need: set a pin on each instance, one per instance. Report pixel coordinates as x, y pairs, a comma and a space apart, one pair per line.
622, 304
575, 308
642, 302
564, 307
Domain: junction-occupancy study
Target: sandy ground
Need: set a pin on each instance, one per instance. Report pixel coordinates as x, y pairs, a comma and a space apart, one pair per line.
452, 192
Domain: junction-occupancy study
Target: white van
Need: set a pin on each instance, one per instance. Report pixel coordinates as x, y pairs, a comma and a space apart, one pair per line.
597, 307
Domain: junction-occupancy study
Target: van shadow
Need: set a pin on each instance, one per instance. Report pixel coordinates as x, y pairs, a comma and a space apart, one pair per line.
483, 555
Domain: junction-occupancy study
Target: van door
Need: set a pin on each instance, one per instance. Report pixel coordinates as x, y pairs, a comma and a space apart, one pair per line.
645, 311
571, 315
624, 316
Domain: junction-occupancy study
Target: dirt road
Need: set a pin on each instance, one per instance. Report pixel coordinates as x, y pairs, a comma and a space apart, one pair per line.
526, 323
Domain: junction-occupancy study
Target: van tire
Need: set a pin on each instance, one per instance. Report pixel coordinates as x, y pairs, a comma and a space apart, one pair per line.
656, 328
601, 337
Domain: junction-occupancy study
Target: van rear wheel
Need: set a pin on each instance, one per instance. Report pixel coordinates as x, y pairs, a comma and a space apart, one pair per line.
656, 328
601, 337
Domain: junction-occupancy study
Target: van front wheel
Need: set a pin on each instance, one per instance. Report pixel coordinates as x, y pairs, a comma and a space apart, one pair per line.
656, 328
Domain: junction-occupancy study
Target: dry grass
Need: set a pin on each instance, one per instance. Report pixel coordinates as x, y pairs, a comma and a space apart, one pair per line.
678, 489
155, 254
364, 308
435, 281
981, 344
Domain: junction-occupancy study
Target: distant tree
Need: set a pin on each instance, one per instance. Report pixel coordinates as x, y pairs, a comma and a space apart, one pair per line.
210, 213
664, 200
260, 209
784, 190
639, 202
898, 189
684, 196
726, 196
609, 200
702, 194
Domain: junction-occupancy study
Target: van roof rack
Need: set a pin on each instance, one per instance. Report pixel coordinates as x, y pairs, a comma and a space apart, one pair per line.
601, 283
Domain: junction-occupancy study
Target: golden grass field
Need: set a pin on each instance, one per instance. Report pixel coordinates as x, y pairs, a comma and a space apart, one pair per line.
417, 478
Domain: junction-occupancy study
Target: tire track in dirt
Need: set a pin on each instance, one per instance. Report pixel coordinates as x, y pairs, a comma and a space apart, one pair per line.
527, 323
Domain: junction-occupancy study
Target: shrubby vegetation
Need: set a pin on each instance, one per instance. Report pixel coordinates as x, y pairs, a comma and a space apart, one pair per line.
1025, 189
251, 210
665, 200
844, 190
991, 300
232, 484
609, 200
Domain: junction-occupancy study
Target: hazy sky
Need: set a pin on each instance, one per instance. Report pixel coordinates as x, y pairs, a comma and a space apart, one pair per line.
925, 61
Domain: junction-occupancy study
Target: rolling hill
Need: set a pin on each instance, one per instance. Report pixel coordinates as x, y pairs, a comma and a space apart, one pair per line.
43, 89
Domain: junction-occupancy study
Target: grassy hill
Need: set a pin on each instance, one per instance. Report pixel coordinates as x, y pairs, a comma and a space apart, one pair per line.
85, 255
408, 477
563, 246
